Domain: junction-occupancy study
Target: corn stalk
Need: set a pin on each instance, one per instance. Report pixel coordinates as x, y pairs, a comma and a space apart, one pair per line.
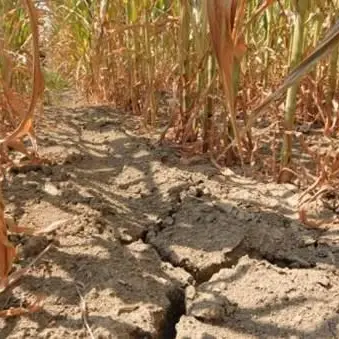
300, 11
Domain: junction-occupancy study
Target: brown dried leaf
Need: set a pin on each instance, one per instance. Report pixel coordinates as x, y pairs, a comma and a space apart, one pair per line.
18, 311
224, 19
26, 124
7, 250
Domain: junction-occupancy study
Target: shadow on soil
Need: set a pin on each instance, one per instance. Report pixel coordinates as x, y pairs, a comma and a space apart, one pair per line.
142, 228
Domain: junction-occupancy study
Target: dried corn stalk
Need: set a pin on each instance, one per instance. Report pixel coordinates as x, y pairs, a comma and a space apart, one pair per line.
223, 17
227, 25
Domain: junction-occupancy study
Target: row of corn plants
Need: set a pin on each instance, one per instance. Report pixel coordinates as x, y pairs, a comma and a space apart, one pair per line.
130, 52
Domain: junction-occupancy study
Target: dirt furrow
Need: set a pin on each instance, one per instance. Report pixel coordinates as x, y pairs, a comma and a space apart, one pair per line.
159, 248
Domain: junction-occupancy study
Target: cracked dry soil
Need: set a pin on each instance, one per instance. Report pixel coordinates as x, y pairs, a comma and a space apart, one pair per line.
159, 249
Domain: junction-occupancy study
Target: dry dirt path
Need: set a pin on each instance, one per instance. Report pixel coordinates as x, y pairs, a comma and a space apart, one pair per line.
159, 249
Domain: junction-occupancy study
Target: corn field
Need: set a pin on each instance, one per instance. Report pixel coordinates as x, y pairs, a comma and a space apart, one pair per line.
132, 54
213, 78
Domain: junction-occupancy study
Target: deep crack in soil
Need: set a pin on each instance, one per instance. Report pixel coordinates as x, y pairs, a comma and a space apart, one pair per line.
160, 248
174, 313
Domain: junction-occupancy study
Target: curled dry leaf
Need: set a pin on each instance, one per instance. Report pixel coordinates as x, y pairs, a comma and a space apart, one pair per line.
25, 127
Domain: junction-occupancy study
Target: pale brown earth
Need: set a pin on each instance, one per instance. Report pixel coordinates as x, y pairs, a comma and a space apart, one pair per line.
158, 248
